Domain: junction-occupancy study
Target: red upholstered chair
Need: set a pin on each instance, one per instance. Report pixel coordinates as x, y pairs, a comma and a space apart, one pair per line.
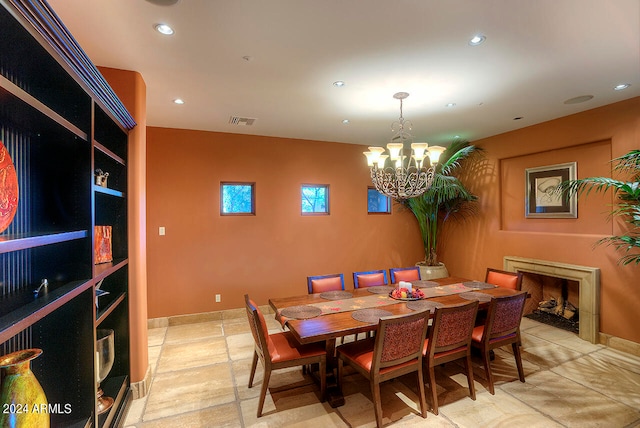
279, 351
449, 340
370, 278
404, 274
322, 283
502, 278
501, 328
395, 351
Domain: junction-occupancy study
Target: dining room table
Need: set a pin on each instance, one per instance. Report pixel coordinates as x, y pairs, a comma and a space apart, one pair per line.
325, 317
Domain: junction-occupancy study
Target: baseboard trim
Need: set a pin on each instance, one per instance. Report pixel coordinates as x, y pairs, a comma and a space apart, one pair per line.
141, 389
619, 344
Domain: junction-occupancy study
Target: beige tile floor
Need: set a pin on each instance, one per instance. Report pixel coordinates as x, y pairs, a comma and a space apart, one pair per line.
200, 374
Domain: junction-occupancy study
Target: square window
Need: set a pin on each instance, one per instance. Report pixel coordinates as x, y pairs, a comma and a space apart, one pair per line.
377, 203
315, 199
237, 198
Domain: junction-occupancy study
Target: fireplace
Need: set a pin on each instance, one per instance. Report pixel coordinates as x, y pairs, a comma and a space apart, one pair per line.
553, 300
583, 280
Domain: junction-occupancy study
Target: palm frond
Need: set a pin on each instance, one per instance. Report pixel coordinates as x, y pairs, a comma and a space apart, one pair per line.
626, 206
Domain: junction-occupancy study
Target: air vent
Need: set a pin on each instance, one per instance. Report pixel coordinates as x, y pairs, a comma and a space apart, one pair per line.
241, 121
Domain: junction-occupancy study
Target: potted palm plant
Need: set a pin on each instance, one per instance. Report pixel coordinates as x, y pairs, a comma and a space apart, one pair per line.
446, 199
626, 205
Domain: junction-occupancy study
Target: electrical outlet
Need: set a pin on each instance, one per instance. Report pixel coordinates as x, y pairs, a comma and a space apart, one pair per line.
161, 231
217, 298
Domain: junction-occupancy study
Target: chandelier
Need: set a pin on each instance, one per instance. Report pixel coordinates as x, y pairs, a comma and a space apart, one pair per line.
407, 176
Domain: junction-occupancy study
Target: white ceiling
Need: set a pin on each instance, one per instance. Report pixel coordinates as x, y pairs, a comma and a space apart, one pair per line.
538, 54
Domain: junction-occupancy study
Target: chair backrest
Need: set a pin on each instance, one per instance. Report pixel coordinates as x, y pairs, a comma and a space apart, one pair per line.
502, 278
258, 327
370, 278
404, 274
322, 283
504, 316
451, 328
399, 339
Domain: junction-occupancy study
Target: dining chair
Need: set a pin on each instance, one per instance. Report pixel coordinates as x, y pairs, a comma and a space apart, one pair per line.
501, 328
404, 274
280, 350
395, 351
503, 278
322, 283
449, 339
370, 278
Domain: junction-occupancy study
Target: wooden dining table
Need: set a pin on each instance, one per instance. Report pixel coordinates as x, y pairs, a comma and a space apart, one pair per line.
330, 326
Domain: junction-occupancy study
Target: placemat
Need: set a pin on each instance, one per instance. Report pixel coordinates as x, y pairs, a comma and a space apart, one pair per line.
421, 305
424, 284
336, 295
301, 312
380, 289
472, 295
479, 285
371, 316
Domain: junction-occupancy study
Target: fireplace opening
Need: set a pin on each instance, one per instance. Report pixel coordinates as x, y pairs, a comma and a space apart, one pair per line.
553, 301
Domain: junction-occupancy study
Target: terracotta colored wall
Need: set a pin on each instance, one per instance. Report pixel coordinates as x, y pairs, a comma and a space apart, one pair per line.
591, 138
270, 254
131, 89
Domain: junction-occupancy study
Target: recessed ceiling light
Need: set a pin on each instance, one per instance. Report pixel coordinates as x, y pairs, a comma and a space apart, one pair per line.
450, 105
476, 40
345, 121
178, 101
164, 29
580, 99
339, 83
621, 86
163, 2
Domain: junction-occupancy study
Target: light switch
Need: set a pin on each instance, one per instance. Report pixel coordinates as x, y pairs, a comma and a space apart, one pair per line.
161, 231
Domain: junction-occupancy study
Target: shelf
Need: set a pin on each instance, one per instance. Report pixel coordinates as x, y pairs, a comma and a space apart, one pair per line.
60, 122
104, 313
103, 270
108, 152
10, 243
108, 191
33, 102
20, 310
118, 389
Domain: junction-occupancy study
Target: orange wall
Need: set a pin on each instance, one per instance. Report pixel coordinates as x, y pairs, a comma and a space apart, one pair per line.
269, 254
591, 139
131, 89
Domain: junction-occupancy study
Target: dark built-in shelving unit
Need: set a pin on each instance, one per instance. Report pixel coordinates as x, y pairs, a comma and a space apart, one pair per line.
60, 121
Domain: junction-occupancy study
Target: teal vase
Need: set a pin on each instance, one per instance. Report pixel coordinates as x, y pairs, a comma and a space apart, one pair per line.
24, 404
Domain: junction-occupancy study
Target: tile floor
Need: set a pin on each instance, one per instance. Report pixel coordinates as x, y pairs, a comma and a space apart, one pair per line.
200, 374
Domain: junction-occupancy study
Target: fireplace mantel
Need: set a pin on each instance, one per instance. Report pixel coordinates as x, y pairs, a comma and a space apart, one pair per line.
587, 277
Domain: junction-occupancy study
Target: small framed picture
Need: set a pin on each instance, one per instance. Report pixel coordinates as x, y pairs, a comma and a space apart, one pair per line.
543, 196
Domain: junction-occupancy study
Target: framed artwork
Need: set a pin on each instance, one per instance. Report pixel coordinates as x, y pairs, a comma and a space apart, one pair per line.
543, 198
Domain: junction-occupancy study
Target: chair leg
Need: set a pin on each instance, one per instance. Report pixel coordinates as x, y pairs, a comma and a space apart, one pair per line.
323, 379
516, 353
433, 388
377, 405
340, 371
254, 365
423, 400
467, 365
263, 390
487, 369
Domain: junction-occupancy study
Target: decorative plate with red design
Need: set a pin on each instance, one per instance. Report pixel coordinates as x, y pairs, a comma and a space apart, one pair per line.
8, 189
